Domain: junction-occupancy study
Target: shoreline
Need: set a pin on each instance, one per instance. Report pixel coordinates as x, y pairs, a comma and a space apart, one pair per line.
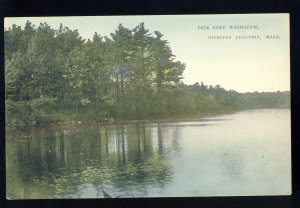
112, 121
67, 125
61, 126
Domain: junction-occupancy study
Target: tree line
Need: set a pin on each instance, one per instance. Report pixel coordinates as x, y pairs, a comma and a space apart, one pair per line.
54, 75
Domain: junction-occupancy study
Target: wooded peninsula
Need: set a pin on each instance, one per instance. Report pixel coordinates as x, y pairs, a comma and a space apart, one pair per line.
56, 76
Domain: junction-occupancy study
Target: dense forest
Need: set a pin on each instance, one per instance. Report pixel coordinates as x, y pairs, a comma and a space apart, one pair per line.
54, 75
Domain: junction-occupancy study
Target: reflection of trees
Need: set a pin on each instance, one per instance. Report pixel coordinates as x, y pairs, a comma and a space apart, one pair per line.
167, 139
159, 136
176, 134
54, 164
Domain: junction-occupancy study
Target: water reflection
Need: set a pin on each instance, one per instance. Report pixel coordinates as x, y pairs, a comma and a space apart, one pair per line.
124, 160
238, 154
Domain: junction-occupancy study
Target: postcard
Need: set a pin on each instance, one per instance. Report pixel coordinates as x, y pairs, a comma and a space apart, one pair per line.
147, 106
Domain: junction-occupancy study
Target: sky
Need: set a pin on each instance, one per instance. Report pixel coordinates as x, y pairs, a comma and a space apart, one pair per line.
244, 65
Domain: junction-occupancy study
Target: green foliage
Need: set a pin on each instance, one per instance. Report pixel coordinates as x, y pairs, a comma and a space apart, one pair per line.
55, 75
265, 100
28, 112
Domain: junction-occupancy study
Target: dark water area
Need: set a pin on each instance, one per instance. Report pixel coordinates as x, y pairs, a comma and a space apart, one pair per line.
247, 153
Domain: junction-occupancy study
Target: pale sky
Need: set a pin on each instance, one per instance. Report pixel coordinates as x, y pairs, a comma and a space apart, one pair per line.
243, 65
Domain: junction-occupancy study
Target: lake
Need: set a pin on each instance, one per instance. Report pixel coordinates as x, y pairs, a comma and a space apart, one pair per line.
246, 153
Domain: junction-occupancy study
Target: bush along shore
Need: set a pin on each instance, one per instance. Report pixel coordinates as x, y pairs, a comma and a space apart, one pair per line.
54, 76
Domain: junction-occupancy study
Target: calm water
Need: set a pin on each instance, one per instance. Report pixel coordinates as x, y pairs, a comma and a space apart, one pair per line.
247, 153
